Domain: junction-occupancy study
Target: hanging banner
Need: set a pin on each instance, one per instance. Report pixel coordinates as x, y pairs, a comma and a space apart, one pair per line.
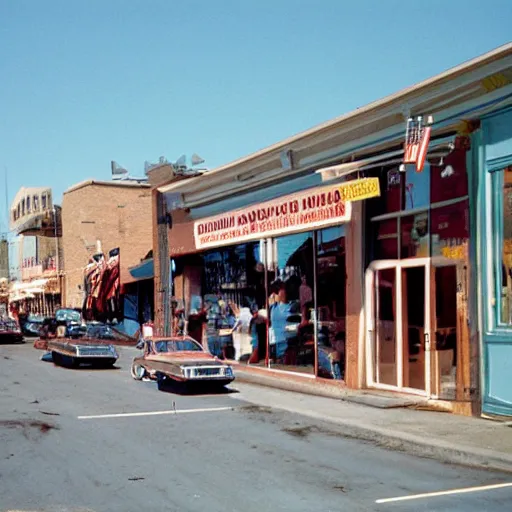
312, 209
358, 190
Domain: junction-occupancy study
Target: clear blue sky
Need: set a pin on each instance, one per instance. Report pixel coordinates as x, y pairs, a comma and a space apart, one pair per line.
86, 82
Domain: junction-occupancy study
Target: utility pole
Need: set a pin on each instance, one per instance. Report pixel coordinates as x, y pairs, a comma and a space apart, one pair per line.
57, 256
56, 240
163, 278
160, 174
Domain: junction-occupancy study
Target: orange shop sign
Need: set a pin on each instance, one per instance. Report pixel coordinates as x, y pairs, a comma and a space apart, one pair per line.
313, 209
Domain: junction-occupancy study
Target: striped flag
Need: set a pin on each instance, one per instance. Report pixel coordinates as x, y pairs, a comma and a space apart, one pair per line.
417, 138
423, 149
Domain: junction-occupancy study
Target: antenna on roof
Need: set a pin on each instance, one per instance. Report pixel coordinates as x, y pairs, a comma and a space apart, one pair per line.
181, 167
148, 166
181, 163
118, 172
196, 159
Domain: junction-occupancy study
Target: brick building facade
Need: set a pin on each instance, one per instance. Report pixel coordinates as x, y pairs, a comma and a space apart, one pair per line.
35, 272
102, 215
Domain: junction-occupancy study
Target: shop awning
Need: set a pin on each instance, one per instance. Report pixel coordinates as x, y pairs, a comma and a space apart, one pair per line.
18, 297
34, 290
144, 270
37, 283
393, 157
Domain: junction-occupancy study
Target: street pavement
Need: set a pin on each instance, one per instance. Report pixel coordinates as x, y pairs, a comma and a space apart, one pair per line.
79, 440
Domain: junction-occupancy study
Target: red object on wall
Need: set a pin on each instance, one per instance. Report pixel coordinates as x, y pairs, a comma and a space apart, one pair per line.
101, 281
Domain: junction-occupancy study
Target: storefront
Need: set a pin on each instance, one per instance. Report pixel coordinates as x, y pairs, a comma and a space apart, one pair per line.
269, 283
416, 282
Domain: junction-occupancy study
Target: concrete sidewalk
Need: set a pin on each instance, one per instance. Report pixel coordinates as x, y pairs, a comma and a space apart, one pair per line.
438, 435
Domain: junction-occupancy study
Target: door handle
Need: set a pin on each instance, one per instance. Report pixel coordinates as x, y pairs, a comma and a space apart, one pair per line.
427, 341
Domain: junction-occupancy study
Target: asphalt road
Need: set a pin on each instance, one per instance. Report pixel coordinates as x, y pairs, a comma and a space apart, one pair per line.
221, 455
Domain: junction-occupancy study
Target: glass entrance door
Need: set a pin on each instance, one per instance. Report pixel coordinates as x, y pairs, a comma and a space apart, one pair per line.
398, 319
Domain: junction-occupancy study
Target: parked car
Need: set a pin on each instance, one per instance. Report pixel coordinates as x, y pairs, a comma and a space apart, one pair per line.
77, 343
72, 319
10, 332
31, 325
180, 359
73, 353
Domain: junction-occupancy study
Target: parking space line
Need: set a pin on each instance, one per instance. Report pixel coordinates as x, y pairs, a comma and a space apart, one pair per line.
153, 413
445, 493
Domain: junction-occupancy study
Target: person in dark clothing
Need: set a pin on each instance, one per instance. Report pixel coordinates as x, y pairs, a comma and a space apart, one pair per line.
257, 330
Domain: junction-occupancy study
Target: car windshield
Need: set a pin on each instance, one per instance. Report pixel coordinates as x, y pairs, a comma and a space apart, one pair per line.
177, 346
67, 315
35, 319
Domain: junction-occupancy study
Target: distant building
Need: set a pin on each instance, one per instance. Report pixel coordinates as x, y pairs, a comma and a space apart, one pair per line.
36, 221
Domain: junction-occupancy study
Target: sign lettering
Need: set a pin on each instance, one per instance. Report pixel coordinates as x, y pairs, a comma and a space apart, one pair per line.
317, 208
360, 189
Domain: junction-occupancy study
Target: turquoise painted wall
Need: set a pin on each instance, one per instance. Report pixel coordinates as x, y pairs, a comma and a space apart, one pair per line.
493, 152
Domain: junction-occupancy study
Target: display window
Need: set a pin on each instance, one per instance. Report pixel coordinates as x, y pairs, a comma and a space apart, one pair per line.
503, 234
432, 216
331, 283
277, 303
291, 303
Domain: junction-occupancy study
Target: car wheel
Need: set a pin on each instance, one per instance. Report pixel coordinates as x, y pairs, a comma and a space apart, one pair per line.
160, 381
106, 365
138, 371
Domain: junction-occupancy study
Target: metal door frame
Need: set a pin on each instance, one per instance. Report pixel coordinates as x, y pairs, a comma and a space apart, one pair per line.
398, 266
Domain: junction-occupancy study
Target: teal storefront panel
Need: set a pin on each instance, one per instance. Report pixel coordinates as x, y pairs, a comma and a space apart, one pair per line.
499, 387
495, 153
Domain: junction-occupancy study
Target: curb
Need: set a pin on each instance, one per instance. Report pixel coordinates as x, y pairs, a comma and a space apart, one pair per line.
296, 384
411, 444
431, 448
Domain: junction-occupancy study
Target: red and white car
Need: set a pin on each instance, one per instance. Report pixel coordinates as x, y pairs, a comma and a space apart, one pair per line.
180, 359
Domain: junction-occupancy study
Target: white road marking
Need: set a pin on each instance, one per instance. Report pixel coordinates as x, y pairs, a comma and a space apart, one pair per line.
153, 413
445, 493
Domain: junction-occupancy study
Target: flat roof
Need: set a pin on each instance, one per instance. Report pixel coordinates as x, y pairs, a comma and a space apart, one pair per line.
114, 183
354, 115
